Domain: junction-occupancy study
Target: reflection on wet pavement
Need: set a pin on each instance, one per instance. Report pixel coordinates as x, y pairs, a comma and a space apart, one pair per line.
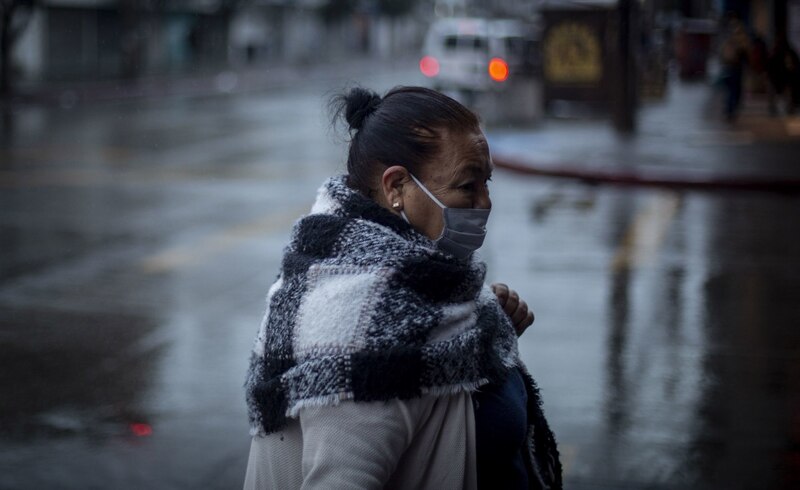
51, 354
666, 347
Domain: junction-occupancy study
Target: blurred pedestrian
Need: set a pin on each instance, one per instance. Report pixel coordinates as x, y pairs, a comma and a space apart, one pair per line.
783, 66
383, 360
734, 49
759, 53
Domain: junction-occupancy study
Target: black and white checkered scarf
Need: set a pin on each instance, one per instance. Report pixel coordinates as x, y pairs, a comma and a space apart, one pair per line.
365, 308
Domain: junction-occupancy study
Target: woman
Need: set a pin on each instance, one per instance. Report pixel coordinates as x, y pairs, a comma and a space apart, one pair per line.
383, 361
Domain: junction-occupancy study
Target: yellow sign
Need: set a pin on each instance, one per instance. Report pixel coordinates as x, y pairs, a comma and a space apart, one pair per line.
572, 54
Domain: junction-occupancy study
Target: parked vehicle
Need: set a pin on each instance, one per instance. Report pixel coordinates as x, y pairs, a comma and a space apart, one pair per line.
475, 55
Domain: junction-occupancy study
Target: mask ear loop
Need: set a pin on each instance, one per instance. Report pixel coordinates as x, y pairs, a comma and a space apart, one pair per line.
426, 191
433, 198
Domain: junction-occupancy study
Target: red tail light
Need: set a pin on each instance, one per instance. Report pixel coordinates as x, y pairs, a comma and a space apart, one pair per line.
498, 69
429, 66
141, 429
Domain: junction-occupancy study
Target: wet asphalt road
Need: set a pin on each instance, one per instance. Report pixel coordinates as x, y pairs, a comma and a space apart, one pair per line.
139, 239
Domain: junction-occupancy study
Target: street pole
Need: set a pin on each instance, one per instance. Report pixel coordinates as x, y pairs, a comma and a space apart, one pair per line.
625, 94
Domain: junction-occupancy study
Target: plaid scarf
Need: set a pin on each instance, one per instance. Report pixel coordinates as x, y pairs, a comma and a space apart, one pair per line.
365, 308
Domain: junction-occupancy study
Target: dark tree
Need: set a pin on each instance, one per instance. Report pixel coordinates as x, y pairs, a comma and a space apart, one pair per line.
133, 15
334, 11
396, 8
14, 17
140, 17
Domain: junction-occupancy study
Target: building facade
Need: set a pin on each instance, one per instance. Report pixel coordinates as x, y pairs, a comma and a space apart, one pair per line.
110, 39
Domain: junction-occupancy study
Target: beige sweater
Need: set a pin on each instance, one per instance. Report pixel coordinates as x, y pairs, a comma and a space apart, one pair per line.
424, 443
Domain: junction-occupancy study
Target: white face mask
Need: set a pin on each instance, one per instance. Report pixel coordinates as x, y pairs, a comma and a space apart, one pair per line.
464, 228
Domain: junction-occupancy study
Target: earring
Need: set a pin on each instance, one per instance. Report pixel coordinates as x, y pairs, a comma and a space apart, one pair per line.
396, 205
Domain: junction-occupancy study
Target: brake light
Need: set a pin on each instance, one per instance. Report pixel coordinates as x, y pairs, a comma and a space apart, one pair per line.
498, 69
429, 66
141, 429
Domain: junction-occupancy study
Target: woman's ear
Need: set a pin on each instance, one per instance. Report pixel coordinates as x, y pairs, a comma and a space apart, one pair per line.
392, 186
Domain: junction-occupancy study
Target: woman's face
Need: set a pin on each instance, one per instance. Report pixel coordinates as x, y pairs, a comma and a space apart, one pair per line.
458, 178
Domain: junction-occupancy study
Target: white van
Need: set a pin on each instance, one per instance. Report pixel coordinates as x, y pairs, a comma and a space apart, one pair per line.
480, 55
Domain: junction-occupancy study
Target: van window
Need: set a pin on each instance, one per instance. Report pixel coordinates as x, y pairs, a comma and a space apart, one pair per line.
465, 42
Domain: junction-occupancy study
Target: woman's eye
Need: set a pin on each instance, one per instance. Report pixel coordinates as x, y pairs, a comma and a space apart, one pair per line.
474, 185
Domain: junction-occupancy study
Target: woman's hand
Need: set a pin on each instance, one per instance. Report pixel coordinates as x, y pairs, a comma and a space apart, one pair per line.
515, 308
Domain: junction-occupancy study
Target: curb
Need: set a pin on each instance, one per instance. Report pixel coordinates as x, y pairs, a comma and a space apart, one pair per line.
641, 178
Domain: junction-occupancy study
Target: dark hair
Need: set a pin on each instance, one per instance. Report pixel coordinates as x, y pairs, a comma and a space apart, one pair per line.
402, 128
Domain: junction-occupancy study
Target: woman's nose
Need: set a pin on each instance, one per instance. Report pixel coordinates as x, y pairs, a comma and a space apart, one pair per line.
483, 201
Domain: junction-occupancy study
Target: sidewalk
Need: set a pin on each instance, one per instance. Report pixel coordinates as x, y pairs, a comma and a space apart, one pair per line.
680, 142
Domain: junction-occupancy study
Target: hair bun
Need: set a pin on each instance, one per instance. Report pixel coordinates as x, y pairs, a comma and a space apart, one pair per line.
360, 103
